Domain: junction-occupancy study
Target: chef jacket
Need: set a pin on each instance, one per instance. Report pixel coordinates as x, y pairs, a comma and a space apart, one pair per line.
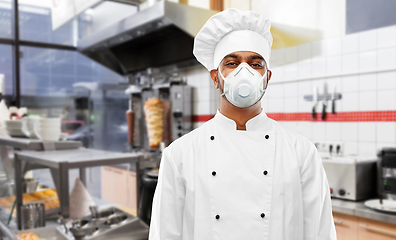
221, 183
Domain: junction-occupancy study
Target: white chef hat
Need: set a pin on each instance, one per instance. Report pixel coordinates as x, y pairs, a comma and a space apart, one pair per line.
230, 31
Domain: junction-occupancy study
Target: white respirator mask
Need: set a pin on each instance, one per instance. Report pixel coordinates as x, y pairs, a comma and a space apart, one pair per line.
244, 86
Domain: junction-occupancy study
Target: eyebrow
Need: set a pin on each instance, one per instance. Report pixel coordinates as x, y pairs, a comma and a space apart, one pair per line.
232, 55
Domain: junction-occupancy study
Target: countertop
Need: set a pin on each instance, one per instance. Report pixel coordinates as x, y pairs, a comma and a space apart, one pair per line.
358, 209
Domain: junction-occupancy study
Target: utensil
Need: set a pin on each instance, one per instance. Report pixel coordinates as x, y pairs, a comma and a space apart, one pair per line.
315, 101
33, 216
324, 101
333, 100
94, 211
30, 185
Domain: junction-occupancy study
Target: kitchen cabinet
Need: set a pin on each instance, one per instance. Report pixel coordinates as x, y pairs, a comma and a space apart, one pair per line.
350, 227
346, 226
370, 229
119, 186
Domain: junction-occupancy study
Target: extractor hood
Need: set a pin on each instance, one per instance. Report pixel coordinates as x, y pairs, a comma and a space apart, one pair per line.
157, 36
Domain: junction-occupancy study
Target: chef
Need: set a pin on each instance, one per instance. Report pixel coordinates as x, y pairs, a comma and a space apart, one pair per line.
240, 175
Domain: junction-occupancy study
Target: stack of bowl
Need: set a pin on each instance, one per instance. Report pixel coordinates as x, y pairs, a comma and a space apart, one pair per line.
14, 128
28, 124
48, 129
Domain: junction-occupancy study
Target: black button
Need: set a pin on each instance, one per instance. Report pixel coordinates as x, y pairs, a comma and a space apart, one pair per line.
262, 215
265, 172
217, 217
214, 173
266, 136
179, 127
179, 134
211, 137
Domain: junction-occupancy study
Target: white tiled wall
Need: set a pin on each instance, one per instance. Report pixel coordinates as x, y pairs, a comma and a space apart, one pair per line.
361, 66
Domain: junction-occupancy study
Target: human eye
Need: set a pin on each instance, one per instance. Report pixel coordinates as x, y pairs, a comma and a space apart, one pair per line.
231, 64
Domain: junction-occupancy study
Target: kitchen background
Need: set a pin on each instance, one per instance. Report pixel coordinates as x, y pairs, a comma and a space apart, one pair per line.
112, 57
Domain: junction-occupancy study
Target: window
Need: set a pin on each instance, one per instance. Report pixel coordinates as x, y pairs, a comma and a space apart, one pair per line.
6, 19
6, 67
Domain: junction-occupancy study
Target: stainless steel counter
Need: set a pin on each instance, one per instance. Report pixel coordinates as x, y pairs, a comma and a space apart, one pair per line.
358, 209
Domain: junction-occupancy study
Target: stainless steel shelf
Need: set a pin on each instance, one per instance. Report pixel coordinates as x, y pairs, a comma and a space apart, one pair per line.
358, 209
37, 145
60, 162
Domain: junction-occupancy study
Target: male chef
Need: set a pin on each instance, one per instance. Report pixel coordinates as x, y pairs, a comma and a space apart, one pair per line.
240, 176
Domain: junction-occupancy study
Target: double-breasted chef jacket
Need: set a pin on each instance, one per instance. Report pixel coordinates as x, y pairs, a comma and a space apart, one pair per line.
223, 184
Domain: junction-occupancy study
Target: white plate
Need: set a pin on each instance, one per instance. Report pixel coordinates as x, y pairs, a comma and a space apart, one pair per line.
388, 206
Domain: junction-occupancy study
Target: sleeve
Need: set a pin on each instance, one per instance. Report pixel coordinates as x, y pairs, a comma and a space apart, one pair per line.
168, 203
318, 218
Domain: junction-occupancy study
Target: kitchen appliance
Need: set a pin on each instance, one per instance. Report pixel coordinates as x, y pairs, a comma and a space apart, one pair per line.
351, 178
160, 35
111, 223
386, 166
177, 100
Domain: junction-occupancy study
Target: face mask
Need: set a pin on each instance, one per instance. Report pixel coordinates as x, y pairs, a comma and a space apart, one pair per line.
244, 87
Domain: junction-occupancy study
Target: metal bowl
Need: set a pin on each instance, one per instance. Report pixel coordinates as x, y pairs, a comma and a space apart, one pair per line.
80, 232
80, 223
115, 220
30, 185
105, 213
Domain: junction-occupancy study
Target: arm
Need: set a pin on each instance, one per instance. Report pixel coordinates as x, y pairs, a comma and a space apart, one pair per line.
318, 218
168, 202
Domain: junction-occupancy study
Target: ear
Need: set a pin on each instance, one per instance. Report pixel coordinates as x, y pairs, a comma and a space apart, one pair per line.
269, 75
213, 75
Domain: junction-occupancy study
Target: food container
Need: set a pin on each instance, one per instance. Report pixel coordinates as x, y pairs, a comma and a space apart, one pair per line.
30, 185
33, 215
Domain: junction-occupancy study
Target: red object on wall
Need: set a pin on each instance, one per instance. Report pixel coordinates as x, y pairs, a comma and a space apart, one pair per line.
368, 116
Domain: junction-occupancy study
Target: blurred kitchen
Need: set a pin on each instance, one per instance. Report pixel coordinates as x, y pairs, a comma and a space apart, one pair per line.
92, 91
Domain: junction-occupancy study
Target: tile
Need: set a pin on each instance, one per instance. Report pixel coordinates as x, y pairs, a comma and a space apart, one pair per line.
350, 148
386, 100
386, 37
350, 83
318, 49
318, 66
333, 65
368, 60
349, 102
275, 105
290, 89
333, 131
304, 51
291, 71
305, 68
367, 149
291, 54
290, 105
367, 131
386, 58
367, 40
202, 94
333, 46
367, 82
386, 132
368, 101
349, 131
318, 131
305, 129
350, 44
278, 57
277, 74
350, 63
275, 90
381, 145
203, 108
386, 80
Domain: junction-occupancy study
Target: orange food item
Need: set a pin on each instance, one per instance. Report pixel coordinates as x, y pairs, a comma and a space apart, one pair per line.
28, 198
153, 110
52, 203
39, 195
28, 236
50, 192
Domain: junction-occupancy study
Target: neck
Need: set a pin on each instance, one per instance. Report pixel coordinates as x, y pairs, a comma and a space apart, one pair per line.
239, 115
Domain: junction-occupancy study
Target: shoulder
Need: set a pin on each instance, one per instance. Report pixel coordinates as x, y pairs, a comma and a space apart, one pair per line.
302, 147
